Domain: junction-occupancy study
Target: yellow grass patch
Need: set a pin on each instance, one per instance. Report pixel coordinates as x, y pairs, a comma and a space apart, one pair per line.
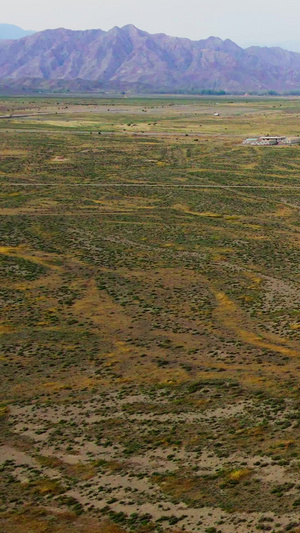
4, 328
12, 153
232, 217
205, 214
239, 475
101, 309
46, 486
82, 471
231, 316
24, 253
295, 326
3, 410
284, 212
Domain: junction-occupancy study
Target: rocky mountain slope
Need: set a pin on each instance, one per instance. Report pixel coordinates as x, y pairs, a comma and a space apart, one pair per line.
130, 58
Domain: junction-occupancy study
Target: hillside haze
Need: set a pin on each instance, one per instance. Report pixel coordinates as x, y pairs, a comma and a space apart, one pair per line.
10, 31
125, 58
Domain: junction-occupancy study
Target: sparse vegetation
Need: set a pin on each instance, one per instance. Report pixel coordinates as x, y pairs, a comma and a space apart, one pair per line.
150, 333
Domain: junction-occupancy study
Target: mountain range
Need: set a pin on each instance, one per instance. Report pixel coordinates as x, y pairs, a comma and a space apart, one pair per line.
131, 59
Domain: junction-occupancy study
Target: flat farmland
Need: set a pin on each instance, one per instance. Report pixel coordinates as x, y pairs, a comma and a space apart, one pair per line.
150, 350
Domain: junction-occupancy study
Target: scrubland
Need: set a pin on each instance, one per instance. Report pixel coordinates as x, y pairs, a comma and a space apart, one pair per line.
150, 327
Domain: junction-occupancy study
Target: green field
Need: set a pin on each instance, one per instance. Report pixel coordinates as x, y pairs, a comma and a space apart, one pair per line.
150, 362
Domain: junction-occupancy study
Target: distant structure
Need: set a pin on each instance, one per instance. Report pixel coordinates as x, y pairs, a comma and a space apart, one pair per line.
271, 141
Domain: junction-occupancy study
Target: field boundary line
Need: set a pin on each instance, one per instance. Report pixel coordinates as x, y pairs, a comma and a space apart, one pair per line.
153, 185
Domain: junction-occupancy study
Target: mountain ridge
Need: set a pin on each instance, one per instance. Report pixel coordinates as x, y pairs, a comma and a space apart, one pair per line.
129, 58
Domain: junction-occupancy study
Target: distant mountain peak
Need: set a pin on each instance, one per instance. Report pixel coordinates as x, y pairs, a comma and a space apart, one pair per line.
214, 40
130, 27
11, 32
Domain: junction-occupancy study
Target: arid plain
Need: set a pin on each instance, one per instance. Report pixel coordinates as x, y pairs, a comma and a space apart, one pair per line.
150, 336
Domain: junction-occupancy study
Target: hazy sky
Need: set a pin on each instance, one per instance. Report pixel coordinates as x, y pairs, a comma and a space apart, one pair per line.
262, 21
